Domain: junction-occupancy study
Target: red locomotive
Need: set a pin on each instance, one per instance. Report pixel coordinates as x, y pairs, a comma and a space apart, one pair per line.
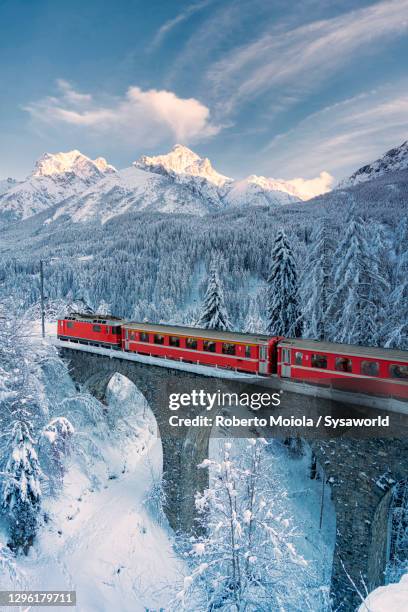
100, 330
360, 369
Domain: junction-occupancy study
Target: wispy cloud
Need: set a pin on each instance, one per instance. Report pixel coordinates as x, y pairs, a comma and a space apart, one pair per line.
343, 136
152, 115
292, 62
169, 25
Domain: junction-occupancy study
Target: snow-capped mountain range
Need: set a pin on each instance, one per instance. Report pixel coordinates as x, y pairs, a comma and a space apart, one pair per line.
393, 160
82, 189
178, 182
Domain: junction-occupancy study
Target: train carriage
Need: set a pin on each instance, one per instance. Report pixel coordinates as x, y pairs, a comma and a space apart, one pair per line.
360, 369
99, 330
231, 350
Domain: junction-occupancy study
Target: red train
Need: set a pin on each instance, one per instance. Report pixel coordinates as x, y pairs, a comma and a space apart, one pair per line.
376, 371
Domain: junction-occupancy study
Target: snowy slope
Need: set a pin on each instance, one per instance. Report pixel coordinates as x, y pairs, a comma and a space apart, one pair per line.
6, 184
104, 536
132, 190
259, 191
55, 178
393, 161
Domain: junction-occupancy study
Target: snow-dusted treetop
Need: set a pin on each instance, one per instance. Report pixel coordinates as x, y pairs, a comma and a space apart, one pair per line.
394, 160
74, 161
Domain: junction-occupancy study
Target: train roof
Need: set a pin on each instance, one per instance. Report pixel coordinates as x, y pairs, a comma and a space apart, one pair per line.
179, 330
345, 349
94, 318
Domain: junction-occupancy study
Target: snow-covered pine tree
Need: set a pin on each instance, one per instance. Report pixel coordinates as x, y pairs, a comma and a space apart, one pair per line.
355, 311
245, 558
284, 317
253, 323
22, 489
316, 285
103, 308
55, 446
213, 311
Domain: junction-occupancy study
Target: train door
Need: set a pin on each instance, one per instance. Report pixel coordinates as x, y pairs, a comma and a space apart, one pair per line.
285, 365
263, 359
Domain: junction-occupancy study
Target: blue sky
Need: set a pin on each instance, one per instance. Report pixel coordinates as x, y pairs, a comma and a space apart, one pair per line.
282, 89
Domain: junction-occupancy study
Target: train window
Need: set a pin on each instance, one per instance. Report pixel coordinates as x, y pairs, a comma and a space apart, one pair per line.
228, 349
247, 351
174, 341
70, 324
132, 335
398, 371
158, 339
369, 368
144, 337
298, 358
191, 343
96, 328
343, 364
116, 330
319, 361
208, 345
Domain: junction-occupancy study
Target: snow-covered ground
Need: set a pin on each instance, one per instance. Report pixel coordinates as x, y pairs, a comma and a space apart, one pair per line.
101, 536
390, 598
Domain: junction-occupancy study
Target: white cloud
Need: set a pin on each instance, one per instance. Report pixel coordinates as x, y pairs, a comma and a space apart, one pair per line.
294, 61
152, 115
309, 188
344, 136
169, 25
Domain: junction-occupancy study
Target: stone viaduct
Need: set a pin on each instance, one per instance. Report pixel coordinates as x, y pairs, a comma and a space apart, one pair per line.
361, 472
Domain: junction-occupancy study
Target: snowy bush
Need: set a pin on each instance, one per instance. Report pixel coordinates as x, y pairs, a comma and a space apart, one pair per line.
55, 446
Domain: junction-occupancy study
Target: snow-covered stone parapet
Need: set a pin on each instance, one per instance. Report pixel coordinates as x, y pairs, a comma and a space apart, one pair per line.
390, 598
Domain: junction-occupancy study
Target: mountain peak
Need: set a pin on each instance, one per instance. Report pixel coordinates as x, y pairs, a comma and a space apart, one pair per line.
182, 160
52, 164
393, 160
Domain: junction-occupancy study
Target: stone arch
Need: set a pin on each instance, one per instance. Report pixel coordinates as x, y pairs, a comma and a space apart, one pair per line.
181, 453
